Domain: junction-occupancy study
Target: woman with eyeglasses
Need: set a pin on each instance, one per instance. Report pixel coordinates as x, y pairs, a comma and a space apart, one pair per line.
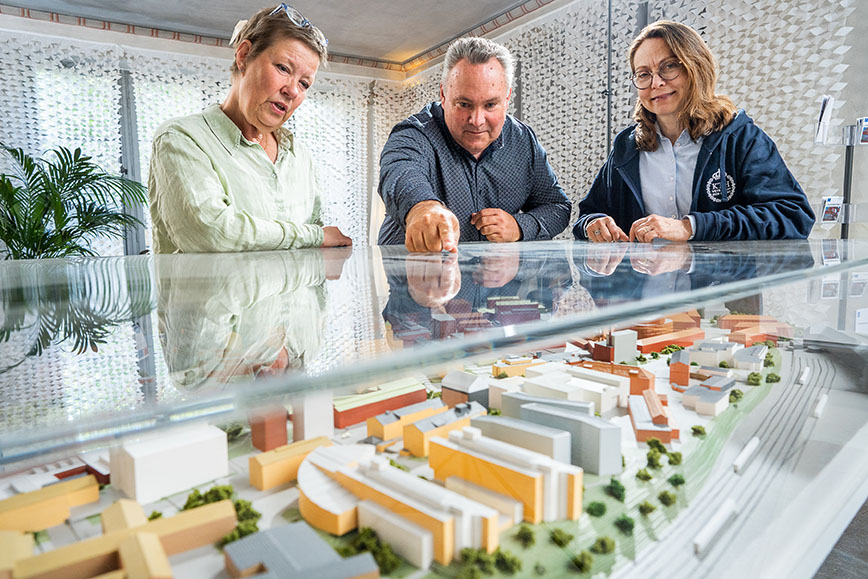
692, 167
232, 178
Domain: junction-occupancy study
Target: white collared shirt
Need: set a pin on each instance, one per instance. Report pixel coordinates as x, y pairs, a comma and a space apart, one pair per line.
666, 176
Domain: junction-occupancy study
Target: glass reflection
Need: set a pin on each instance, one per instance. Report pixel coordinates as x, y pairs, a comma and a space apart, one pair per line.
242, 316
440, 296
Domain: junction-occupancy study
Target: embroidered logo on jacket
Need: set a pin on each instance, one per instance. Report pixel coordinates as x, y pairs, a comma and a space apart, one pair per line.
712, 187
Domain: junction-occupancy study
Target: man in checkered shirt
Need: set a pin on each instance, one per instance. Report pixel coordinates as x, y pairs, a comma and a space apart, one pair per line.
462, 169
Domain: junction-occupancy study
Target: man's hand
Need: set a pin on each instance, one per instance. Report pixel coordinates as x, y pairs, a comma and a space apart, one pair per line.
433, 280
604, 229
332, 237
496, 225
653, 227
431, 228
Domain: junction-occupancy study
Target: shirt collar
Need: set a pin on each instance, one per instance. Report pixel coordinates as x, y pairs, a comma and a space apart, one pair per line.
682, 139
230, 135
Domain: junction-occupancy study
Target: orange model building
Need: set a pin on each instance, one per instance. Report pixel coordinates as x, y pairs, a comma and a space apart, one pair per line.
640, 379
280, 465
349, 410
514, 366
683, 338
268, 428
391, 423
418, 435
14, 545
679, 370
48, 506
123, 549
548, 490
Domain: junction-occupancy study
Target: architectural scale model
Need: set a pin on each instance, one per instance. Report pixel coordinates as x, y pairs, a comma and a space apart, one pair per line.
519, 448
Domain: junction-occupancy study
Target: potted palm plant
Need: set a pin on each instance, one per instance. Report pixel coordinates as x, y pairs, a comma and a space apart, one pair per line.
56, 205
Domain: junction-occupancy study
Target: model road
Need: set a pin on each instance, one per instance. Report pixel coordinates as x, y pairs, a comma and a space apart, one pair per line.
787, 409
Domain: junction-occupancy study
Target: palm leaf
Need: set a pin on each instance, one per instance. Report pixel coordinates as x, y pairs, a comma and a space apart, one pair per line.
56, 205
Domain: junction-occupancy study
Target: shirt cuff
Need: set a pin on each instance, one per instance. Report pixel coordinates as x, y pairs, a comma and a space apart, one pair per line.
528, 225
692, 221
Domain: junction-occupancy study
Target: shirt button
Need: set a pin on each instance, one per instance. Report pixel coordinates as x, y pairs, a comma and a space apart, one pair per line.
673, 217
671, 179
670, 198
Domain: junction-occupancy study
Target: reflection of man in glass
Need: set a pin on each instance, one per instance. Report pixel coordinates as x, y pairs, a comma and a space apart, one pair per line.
436, 296
232, 318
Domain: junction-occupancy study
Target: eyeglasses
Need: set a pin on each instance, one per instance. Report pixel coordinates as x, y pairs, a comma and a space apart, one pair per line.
667, 71
297, 18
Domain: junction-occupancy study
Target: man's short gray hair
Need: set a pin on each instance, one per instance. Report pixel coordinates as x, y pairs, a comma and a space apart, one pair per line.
478, 51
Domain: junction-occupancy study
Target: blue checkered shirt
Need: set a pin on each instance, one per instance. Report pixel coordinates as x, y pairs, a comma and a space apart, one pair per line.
421, 161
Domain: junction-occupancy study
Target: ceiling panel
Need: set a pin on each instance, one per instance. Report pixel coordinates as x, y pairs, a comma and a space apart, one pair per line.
377, 29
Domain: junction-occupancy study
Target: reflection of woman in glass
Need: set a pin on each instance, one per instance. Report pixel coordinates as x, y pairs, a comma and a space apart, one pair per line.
231, 178
234, 318
693, 167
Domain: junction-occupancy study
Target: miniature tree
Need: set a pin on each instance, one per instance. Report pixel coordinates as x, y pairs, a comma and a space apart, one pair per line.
697, 430
769, 360
666, 498
433, 394
640, 358
603, 545
723, 364
233, 430
245, 513
625, 524
615, 489
646, 508
735, 395
502, 375
155, 515
495, 412
772, 377
506, 562
770, 343
694, 363
674, 458
469, 573
643, 474
654, 355
676, 480
539, 569
653, 456
398, 465
596, 509
582, 561
655, 443
368, 540
560, 537
754, 379
525, 535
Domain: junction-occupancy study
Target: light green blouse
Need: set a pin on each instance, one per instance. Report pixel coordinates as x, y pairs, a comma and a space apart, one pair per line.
212, 190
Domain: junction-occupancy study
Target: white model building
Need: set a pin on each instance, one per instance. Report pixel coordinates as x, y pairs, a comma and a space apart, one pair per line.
169, 462
595, 442
536, 437
621, 384
710, 353
313, 415
545, 368
706, 402
558, 385
624, 346
751, 359
497, 387
407, 539
512, 402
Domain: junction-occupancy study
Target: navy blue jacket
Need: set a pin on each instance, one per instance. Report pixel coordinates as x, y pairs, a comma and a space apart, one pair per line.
762, 199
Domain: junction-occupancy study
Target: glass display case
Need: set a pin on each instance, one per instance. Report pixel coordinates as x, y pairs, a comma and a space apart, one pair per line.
92, 350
